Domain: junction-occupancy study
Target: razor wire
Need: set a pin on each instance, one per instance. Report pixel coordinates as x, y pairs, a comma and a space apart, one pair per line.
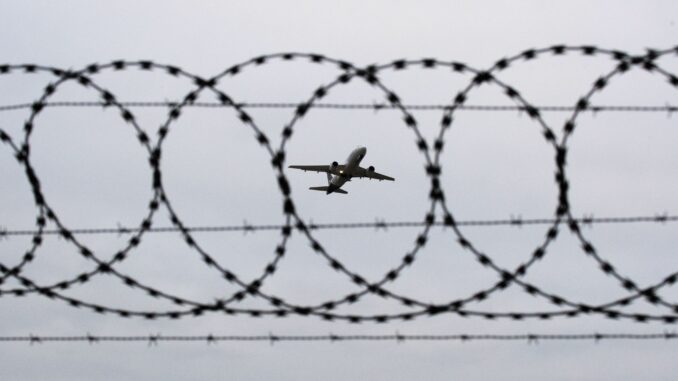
437, 213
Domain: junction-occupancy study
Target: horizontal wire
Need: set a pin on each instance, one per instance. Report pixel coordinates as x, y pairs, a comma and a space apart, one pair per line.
350, 225
271, 338
347, 106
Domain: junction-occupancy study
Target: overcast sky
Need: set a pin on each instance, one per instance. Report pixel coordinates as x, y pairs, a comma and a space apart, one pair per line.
496, 165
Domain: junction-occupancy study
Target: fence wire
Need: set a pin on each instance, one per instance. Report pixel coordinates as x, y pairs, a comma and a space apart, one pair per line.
155, 339
669, 109
438, 213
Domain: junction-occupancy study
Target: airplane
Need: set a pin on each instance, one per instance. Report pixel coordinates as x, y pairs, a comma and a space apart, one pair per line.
339, 174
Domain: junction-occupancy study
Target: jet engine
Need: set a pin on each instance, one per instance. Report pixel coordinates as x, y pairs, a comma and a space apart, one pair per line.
334, 165
370, 169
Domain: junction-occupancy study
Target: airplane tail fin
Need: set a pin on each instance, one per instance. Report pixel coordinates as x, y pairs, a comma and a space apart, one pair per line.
324, 189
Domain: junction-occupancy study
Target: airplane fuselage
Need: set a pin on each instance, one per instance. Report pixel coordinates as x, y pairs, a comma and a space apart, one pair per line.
352, 162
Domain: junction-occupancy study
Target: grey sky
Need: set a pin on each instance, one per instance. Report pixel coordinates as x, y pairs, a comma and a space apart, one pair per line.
495, 165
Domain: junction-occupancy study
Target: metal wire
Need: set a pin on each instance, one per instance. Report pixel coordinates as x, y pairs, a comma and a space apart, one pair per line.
346, 106
621, 63
154, 339
377, 224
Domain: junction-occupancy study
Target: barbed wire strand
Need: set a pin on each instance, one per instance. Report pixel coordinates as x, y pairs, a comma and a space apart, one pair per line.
154, 339
346, 106
377, 224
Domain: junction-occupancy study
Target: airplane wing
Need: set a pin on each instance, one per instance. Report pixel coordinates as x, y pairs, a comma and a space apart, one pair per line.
362, 172
339, 170
319, 168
